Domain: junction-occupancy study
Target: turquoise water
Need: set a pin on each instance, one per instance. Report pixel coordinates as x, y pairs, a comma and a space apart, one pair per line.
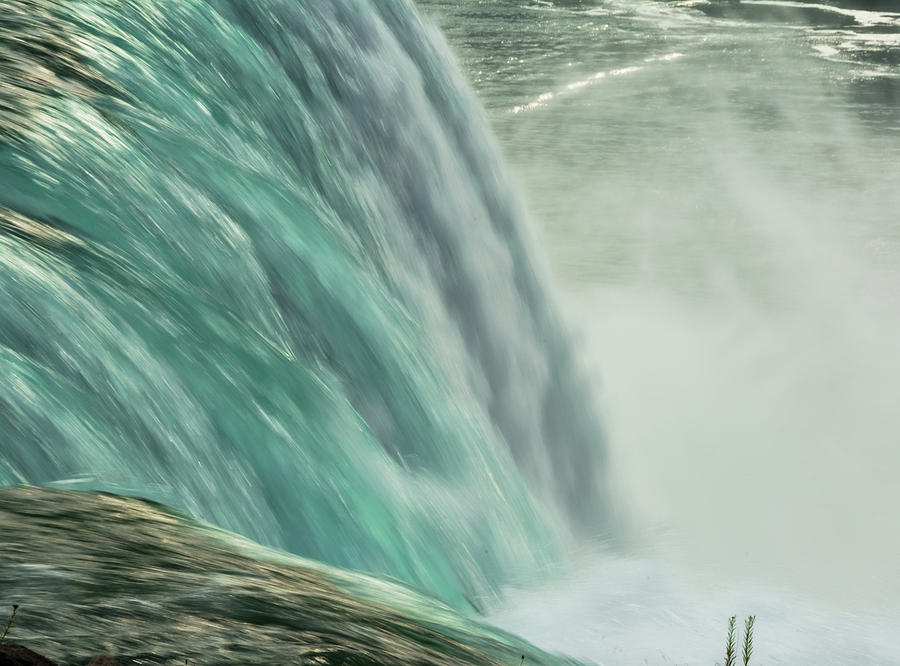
261, 262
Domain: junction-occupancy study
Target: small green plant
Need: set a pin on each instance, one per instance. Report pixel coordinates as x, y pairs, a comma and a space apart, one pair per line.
748, 639
9, 623
730, 644
730, 654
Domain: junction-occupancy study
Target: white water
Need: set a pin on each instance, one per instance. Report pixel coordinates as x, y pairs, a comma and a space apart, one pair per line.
622, 612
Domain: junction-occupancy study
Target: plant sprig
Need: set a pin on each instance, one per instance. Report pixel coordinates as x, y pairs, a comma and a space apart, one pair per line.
9, 623
730, 654
730, 644
748, 639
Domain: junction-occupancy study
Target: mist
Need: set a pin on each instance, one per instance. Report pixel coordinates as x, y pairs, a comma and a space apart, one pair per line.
728, 248
718, 200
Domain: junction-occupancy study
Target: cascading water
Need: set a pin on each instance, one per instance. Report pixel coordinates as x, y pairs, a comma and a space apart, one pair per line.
260, 261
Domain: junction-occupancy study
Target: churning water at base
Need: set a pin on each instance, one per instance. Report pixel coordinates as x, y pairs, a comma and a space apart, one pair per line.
260, 261
615, 612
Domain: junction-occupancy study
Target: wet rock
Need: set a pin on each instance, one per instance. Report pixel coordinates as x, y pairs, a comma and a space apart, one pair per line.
19, 655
